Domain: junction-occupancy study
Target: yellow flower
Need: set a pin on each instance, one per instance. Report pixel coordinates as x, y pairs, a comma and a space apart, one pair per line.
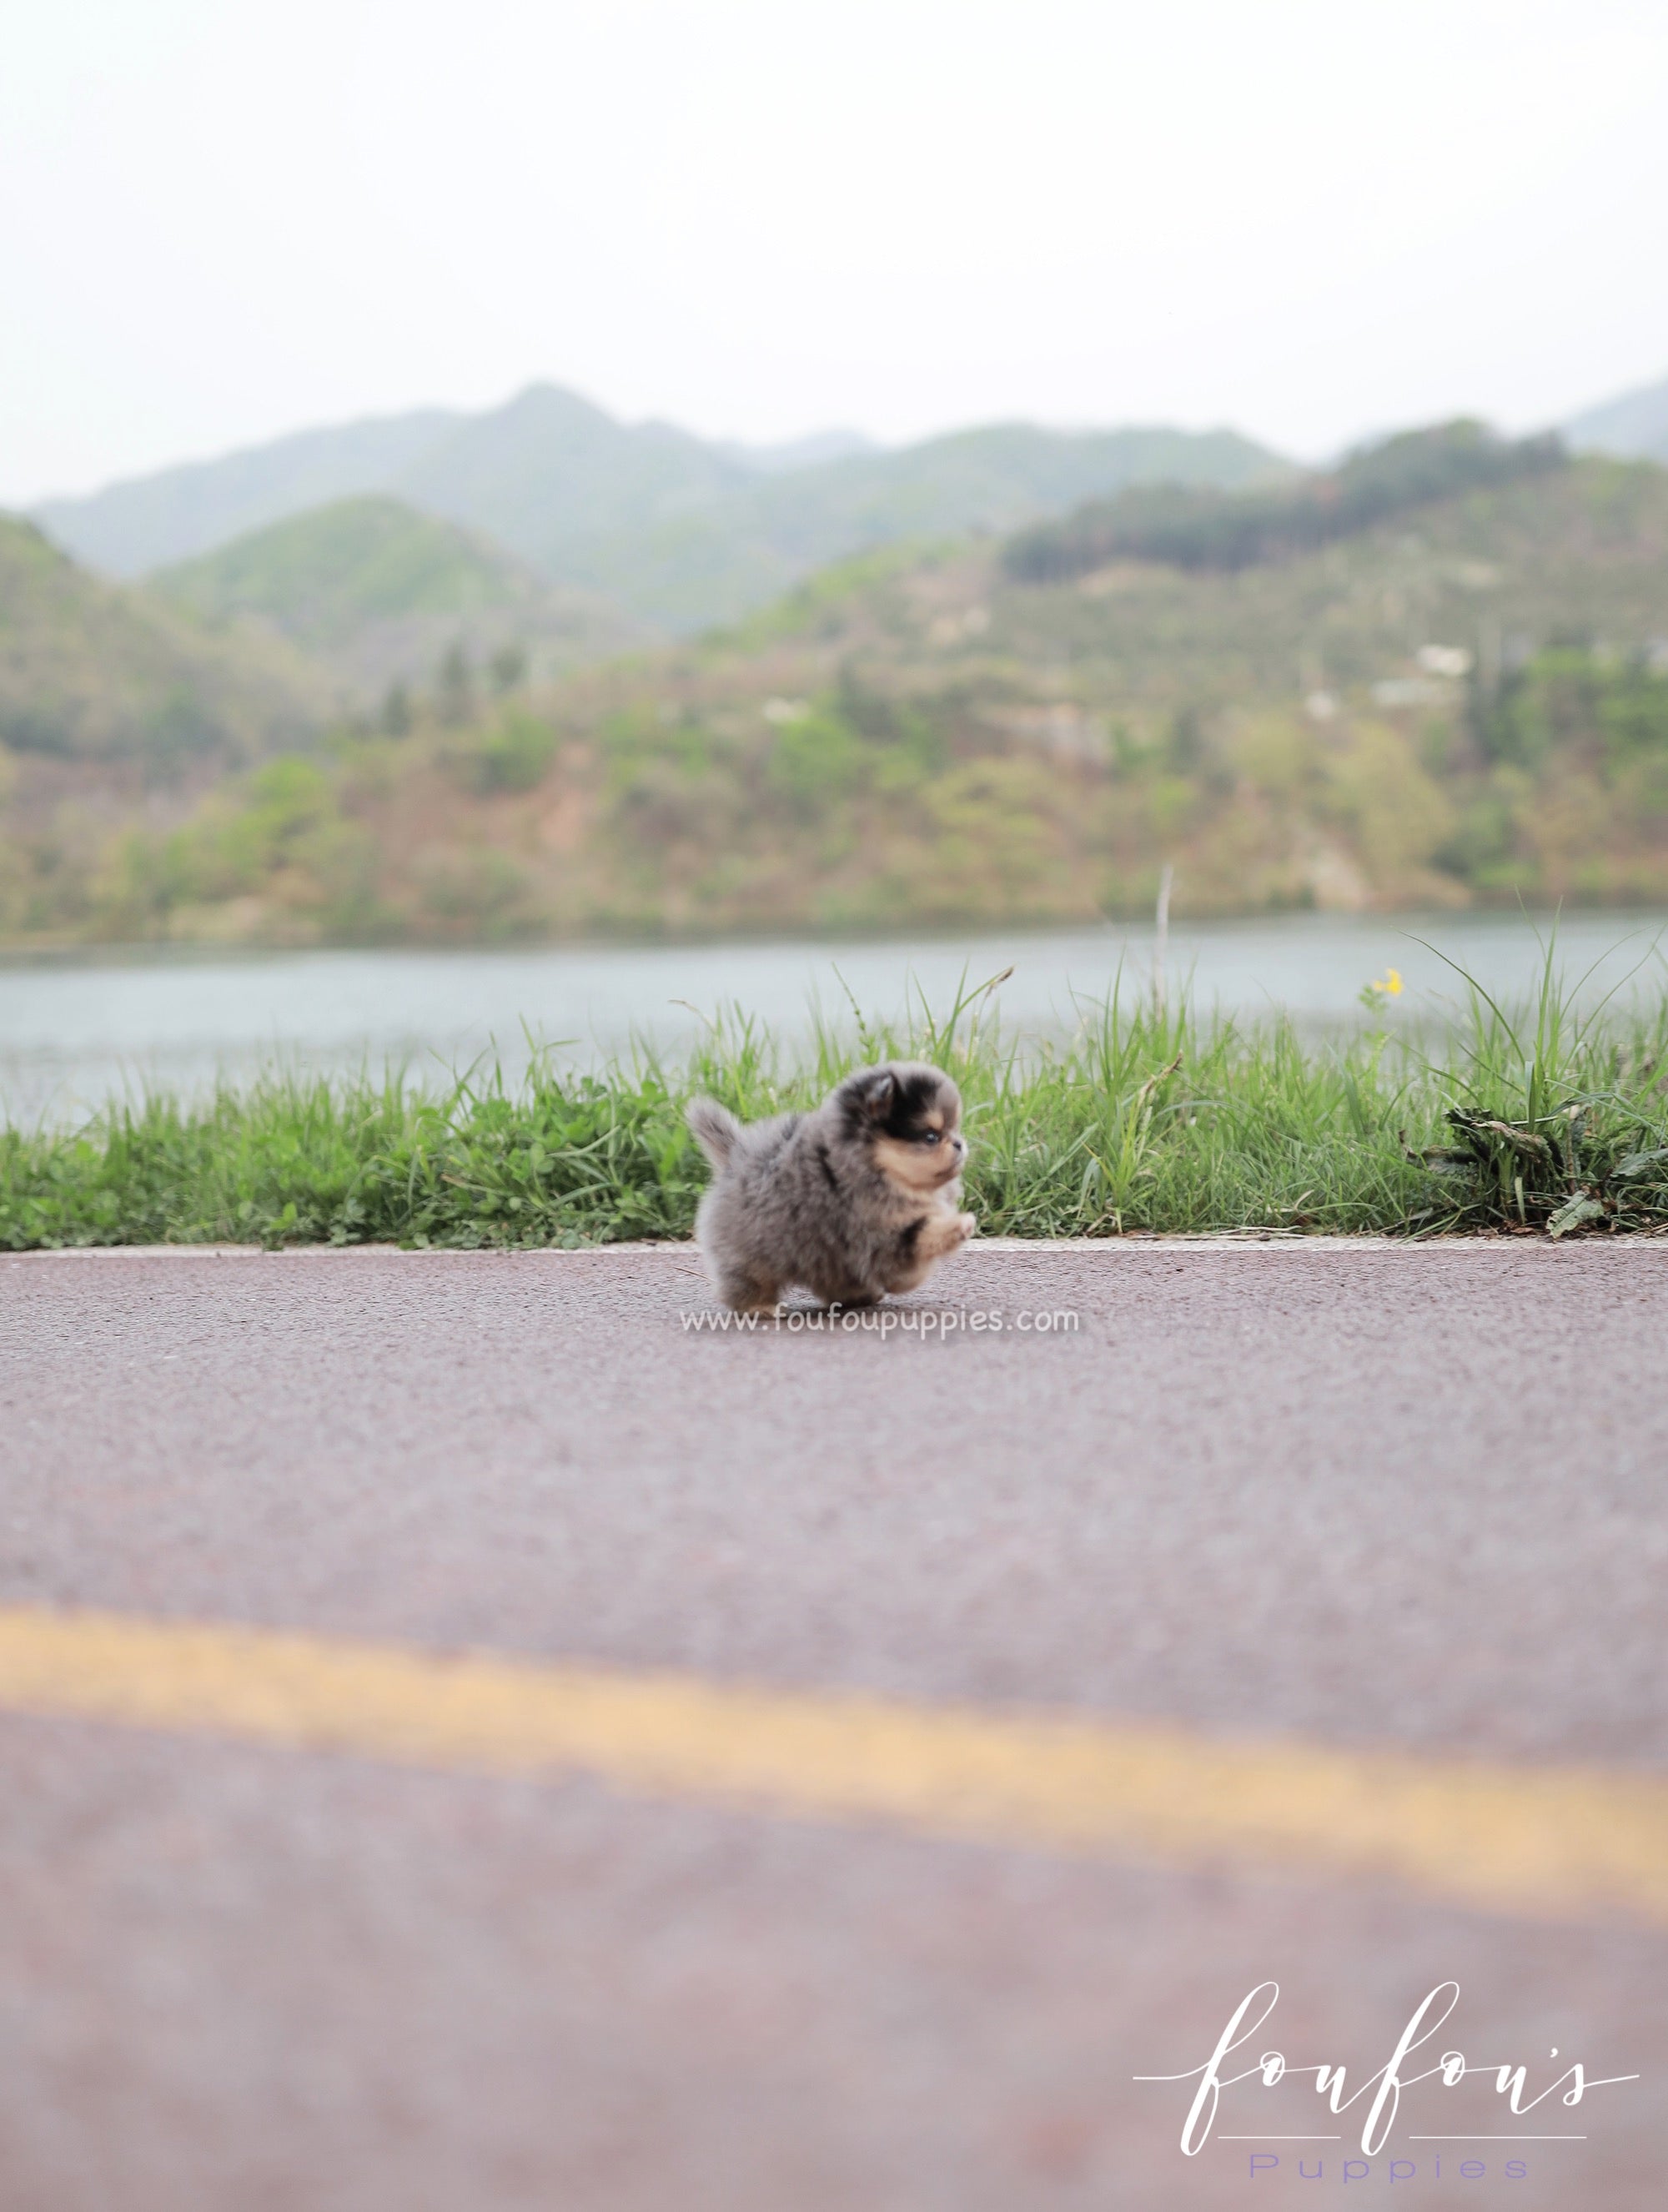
1387, 985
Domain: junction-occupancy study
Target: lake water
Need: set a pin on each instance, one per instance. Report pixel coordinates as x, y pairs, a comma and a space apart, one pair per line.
73, 1031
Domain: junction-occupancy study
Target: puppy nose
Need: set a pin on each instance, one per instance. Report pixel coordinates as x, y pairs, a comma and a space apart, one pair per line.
958, 1146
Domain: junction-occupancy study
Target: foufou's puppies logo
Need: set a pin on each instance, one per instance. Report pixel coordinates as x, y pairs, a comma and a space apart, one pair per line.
1400, 2073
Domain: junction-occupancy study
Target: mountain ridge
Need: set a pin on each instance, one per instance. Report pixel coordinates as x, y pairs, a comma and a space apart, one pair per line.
1462, 702
138, 524
92, 670
379, 594
1634, 426
683, 532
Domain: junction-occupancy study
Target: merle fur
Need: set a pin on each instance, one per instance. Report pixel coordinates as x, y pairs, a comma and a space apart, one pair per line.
826, 1200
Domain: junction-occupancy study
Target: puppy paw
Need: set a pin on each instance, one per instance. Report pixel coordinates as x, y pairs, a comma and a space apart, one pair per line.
966, 1226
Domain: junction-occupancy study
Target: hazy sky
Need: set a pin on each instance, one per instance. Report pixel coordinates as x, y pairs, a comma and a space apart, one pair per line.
222, 219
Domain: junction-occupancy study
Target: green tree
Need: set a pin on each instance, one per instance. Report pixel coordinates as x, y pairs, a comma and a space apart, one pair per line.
508, 668
395, 719
456, 692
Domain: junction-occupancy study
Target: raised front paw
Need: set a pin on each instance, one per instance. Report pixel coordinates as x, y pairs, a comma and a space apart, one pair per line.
966, 1226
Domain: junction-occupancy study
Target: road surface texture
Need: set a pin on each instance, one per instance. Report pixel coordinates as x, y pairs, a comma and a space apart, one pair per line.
1378, 1520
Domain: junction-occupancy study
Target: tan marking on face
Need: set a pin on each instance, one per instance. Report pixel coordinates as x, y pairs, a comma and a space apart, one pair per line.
917, 1167
912, 1167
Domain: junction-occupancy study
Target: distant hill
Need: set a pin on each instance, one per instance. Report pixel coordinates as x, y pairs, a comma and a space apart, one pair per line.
546, 467
1201, 529
1634, 426
549, 472
379, 594
714, 563
149, 522
1462, 701
679, 531
93, 671
1425, 617
1479, 584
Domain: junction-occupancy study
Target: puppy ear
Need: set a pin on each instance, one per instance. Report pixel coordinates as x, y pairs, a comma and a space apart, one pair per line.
877, 1098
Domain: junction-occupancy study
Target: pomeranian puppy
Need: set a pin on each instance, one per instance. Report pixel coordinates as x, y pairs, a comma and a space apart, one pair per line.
856, 1200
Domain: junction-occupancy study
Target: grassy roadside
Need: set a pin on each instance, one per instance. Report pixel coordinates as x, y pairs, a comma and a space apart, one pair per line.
1525, 1121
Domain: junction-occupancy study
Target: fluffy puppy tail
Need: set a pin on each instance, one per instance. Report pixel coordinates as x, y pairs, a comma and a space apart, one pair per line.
715, 1128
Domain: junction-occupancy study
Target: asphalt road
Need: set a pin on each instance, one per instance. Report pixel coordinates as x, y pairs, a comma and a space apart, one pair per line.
1380, 1499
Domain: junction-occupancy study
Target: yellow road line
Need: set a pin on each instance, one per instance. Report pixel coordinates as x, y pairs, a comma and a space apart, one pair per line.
1528, 1841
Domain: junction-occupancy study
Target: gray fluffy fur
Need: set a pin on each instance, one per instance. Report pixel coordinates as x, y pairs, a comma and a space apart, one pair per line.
854, 1201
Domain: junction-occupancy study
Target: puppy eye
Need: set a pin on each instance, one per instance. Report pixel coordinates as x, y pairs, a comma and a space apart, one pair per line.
927, 1137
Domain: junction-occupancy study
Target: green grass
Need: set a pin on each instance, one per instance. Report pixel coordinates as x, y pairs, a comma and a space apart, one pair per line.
1527, 1122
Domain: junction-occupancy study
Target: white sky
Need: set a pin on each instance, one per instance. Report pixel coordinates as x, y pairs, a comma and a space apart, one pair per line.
222, 219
